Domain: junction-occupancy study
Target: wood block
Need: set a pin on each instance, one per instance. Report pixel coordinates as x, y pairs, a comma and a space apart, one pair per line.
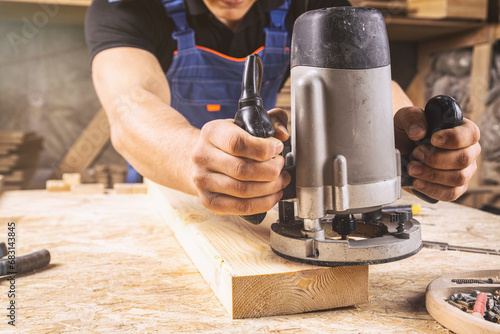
130, 188
237, 262
72, 178
440, 9
16, 137
56, 185
87, 147
88, 188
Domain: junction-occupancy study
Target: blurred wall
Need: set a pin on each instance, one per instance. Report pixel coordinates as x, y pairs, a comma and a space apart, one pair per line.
45, 77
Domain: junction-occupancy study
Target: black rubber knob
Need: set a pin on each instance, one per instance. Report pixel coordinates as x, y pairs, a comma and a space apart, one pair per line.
251, 115
442, 112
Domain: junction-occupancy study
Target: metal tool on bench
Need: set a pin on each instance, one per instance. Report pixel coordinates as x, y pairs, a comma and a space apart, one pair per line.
343, 160
22, 264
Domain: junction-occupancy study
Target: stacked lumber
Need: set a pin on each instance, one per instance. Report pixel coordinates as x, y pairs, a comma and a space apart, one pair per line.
71, 182
19, 154
109, 175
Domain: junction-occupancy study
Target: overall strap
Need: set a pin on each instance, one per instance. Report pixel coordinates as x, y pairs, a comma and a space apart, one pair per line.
277, 35
182, 33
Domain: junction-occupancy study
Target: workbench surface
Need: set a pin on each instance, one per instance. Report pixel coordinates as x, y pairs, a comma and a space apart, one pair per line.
116, 267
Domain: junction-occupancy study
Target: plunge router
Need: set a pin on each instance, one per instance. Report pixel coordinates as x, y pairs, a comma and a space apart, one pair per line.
343, 160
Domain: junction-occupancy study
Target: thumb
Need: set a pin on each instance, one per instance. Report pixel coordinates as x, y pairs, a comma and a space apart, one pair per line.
279, 118
412, 122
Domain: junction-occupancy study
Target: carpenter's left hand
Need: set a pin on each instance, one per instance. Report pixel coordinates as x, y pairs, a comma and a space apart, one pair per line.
442, 172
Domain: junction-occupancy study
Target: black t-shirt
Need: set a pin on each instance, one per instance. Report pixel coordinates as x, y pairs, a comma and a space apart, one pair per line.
144, 24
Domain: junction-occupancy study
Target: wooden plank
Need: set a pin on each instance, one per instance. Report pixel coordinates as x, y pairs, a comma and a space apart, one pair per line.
72, 178
480, 78
458, 41
235, 259
16, 137
399, 7
87, 147
451, 317
479, 87
440, 9
406, 29
417, 88
56, 185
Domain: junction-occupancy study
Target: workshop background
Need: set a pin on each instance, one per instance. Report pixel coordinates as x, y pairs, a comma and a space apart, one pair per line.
51, 121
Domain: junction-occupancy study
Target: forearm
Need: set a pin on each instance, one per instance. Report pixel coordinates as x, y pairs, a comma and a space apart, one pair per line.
152, 136
155, 139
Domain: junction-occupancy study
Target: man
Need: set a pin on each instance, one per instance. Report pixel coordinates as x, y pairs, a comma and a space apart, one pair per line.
169, 78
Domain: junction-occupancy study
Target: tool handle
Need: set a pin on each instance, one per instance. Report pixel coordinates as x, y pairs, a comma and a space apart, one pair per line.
251, 115
26, 263
442, 112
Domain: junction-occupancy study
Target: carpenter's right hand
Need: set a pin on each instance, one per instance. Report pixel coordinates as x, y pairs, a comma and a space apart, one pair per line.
237, 173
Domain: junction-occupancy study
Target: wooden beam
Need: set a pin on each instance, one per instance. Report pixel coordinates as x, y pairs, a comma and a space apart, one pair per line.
417, 88
480, 78
236, 260
440, 9
458, 41
87, 147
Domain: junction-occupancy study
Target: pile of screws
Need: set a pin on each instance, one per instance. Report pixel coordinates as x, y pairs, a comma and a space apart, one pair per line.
483, 305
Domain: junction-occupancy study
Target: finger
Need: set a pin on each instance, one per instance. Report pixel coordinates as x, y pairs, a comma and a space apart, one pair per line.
230, 138
439, 192
458, 137
447, 159
451, 178
279, 117
225, 204
223, 184
409, 124
412, 122
240, 168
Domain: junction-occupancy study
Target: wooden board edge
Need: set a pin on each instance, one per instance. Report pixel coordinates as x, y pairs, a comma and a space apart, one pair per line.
214, 270
319, 288
304, 291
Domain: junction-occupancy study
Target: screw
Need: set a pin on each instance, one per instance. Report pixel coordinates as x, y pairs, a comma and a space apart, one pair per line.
491, 316
472, 281
451, 302
490, 304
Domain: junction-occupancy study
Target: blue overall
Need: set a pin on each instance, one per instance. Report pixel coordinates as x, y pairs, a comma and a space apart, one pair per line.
205, 85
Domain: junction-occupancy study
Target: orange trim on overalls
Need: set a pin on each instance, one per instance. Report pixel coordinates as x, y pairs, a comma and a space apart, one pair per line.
213, 107
228, 57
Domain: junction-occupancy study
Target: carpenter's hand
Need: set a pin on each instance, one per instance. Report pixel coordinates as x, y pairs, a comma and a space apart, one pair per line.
442, 172
236, 173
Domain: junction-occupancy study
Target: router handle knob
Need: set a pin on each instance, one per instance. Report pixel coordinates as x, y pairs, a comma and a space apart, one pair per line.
442, 112
251, 115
